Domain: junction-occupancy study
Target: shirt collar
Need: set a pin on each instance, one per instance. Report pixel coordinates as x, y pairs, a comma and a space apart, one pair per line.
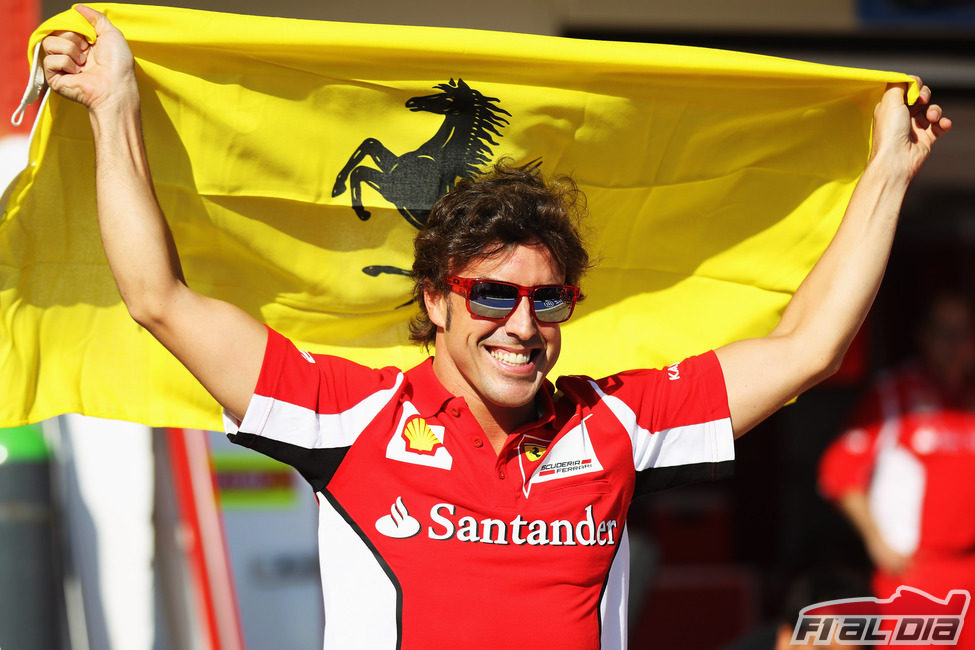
424, 390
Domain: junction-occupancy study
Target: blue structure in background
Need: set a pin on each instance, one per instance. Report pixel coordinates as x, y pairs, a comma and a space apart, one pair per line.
917, 14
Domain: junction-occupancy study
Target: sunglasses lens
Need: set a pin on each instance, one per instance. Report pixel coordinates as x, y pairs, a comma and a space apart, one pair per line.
552, 304
492, 300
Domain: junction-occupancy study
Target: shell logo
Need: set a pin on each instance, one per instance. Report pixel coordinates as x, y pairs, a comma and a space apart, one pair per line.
420, 439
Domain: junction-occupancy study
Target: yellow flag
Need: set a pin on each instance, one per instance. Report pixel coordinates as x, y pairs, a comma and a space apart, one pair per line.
295, 160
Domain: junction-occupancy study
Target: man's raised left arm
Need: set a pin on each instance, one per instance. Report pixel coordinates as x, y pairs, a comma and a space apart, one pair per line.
826, 311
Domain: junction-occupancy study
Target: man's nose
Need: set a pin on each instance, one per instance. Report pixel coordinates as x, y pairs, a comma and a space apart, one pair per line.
521, 324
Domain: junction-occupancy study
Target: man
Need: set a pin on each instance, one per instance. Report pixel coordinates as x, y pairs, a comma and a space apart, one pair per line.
904, 471
463, 502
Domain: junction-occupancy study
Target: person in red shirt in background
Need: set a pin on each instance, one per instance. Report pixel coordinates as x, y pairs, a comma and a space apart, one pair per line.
903, 472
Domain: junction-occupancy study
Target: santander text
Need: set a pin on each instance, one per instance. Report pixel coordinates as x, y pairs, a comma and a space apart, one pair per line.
560, 532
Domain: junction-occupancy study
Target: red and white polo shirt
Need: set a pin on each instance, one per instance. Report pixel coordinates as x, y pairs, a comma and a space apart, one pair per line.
428, 539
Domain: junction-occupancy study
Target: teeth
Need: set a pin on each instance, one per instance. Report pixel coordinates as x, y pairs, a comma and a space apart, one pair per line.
513, 358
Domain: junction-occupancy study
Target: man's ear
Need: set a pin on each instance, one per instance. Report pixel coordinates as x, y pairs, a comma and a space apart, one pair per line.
436, 303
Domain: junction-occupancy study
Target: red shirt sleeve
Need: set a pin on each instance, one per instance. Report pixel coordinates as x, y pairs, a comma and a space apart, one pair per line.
683, 394
677, 419
313, 400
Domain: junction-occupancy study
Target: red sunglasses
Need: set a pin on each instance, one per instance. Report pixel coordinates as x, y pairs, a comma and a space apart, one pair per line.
495, 300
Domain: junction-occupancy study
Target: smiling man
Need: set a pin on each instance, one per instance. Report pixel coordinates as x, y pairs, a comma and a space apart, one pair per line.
481, 244
465, 502
498, 362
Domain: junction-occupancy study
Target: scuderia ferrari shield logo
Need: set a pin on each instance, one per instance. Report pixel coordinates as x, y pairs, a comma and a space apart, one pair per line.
570, 456
534, 452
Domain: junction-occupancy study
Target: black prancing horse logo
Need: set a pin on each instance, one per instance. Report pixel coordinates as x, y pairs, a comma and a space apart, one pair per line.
414, 181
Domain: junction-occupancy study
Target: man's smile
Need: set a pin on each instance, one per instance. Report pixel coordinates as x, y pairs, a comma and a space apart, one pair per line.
520, 359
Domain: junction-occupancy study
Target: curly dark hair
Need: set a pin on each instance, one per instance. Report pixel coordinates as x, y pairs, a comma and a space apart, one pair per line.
480, 218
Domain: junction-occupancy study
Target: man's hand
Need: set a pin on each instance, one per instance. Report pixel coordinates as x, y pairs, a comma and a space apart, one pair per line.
903, 135
99, 75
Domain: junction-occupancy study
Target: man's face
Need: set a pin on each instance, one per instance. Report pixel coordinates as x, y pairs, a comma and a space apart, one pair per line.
499, 364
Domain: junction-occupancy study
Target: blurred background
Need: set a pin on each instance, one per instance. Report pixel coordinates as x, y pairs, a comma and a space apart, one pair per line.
713, 564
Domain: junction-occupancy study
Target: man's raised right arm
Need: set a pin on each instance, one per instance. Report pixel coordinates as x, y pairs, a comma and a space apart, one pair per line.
220, 344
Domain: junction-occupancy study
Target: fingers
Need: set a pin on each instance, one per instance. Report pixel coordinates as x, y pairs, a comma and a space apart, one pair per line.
71, 44
65, 51
74, 38
939, 123
924, 93
893, 100
927, 114
934, 116
92, 16
923, 112
896, 91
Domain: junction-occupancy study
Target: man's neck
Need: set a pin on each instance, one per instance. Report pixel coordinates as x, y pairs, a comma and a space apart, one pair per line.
499, 422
